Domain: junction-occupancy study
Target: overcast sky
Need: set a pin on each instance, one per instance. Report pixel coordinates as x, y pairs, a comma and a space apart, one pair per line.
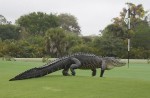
92, 15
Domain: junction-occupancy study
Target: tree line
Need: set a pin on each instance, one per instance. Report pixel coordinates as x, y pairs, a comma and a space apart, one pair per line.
39, 34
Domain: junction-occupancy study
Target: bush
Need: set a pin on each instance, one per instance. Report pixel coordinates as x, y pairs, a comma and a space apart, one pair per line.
45, 59
83, 48
8, 58
148, 60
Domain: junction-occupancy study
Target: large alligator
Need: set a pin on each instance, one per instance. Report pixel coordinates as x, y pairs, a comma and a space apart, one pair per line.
72, 62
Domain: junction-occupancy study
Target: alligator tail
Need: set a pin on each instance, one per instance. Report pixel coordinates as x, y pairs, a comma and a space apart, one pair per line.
43, 70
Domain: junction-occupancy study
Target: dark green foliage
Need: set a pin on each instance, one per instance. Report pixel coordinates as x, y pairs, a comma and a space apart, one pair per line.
38, 23
22, 48
115, 30
59, 41
9, 32
110, 46
140, 53
142, 36
55, 38
83, 48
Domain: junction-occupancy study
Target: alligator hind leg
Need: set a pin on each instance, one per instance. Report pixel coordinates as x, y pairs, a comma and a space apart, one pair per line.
65, 72
76, 65
93, 72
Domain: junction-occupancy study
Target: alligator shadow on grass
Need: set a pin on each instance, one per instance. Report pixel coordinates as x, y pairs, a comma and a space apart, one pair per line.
70, 76
61, 76
54, 77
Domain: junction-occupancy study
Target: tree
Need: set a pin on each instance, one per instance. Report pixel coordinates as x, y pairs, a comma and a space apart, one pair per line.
71, 40
37, 44
1, 48
9, 31
83, 48
137, 14
9, 48
142, 36
55, 41
118, 27
139, 30
109, 46
59, 42
2, 20
115, 30
147, 18
69, 23
38, 22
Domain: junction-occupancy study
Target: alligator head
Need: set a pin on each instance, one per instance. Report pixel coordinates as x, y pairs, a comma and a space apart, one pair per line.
112, 62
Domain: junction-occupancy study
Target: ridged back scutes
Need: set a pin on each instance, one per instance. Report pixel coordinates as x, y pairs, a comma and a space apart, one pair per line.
53, 62
83, 54
66, 57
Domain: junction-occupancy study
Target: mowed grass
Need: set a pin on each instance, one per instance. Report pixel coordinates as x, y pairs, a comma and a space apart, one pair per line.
122, 82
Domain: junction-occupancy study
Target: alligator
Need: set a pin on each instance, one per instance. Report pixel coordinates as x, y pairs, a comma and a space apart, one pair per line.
72, 62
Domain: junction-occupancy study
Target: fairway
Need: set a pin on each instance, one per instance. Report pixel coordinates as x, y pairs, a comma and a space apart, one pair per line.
122, 82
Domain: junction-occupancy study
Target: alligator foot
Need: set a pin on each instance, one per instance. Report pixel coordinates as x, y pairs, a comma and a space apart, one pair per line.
102, 72
73, 73
66, 74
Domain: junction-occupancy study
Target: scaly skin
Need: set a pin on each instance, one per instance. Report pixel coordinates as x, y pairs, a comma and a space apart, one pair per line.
72, 62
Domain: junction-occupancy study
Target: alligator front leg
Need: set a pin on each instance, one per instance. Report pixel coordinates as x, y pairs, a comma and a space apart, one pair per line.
102, 72
103, 67
75, 65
